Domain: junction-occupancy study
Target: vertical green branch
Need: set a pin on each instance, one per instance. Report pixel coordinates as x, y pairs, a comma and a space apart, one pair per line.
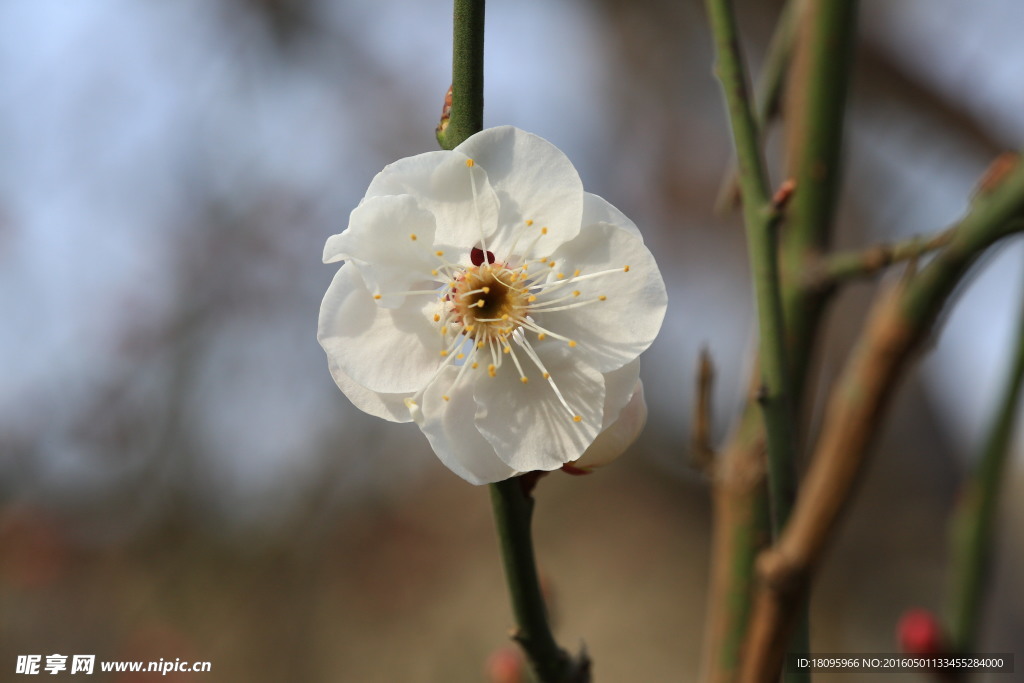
467, 108
761, 217
974, 521
513, 506
513, 510
816, 110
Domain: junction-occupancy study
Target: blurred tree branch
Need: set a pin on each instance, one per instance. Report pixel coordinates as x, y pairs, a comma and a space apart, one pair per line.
974, 520
901, 321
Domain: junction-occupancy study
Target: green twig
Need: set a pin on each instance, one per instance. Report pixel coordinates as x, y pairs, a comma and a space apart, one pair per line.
513, 506
846, 265
761, 216
466, 116
901, 322
768, 91
513, 509
974, 520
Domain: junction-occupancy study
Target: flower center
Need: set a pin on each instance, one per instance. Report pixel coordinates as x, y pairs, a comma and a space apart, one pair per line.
488, 302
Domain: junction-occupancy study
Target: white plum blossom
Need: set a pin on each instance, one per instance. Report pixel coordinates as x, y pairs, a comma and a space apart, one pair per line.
488, 298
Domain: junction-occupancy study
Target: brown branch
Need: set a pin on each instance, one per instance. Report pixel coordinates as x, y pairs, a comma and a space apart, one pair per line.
846, 265
901, 321
703, 452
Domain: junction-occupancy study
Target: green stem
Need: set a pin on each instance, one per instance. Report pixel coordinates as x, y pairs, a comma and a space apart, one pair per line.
816, 108
769, 88
846, 265
467, 112
513, 510
761, 218
973, 523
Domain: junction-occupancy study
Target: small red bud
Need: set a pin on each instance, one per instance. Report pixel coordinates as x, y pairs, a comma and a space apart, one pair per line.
921, 634
506, 665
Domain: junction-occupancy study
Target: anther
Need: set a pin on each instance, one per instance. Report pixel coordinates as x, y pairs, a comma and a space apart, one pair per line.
626, 269
376, 296
413, 237
602, 298
529, 221
541, 336
469, 163
491, 370
447, 398
543, 231
572, 344
524, 380
577, 418
576, 293
437, 317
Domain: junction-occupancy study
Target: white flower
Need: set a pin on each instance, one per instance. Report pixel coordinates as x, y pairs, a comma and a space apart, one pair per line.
486, 296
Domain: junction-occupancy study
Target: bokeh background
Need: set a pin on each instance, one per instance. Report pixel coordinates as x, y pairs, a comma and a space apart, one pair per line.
180, 478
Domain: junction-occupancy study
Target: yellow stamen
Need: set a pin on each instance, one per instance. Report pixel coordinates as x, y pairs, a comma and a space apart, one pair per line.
376, 296
529, 221
470, 163
543, 231
577, 418
524, 380
626, 269
491, 370
572, 344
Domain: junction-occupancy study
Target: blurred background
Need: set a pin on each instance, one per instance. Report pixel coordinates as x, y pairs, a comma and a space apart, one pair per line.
179, 476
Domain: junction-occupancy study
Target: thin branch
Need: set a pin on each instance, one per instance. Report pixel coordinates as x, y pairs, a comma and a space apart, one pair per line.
901, 321
466, 113
761, 217
513, 505
513, 510
703, 451
768, 91
846, 265
741, 530
975, 518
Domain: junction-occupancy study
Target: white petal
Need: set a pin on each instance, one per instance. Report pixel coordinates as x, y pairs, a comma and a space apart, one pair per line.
387, 406
528, 426
391, 241
597, 209
385, 350
452, 433
534, 181
612, 332
619, 386
620, 435
460, 197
